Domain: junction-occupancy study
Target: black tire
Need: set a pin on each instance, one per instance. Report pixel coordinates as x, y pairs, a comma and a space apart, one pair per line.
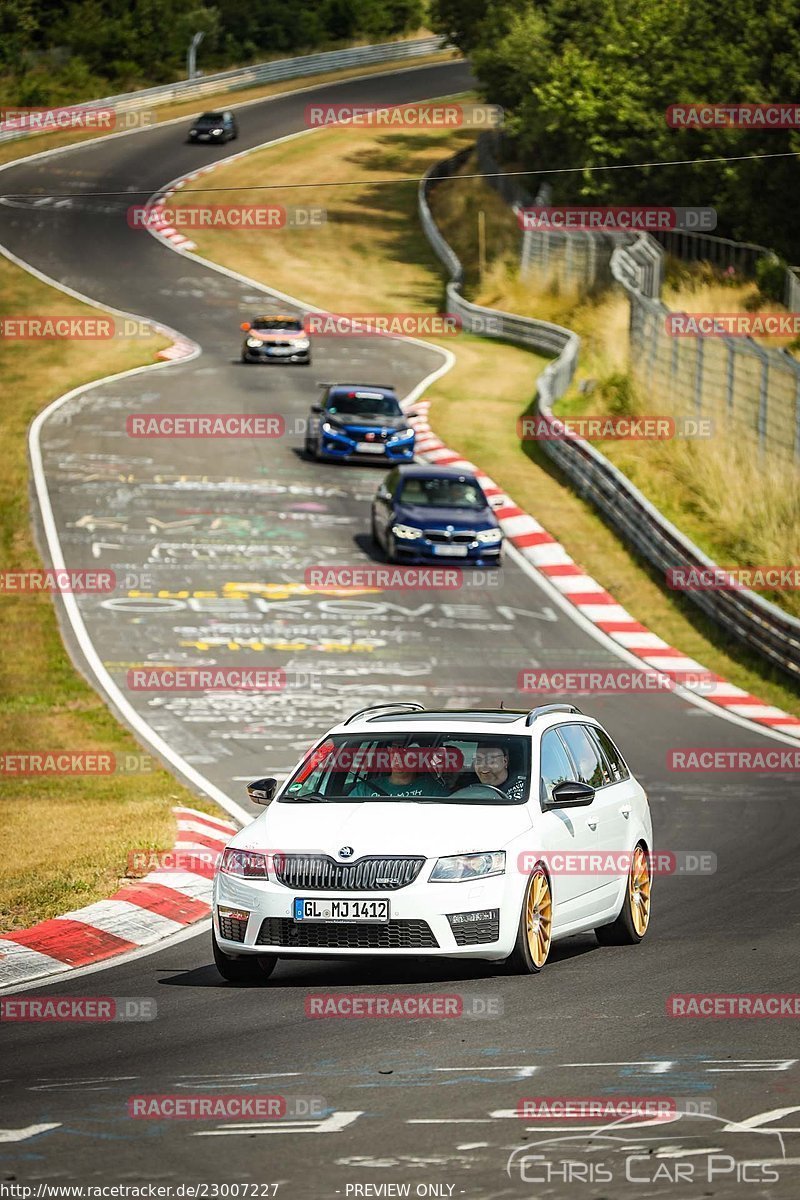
374, 532
390, 549
250, 968
623, 931
521, 961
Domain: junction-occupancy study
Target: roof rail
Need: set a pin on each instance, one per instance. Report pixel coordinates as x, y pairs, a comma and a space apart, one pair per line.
397, 705
544, 709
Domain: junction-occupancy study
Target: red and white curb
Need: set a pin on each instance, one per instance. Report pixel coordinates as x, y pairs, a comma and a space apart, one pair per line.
143, 911
589, 597
156, 221
159, 226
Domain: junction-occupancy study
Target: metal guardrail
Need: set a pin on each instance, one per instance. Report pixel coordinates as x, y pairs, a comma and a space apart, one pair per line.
755, 622
245, 77
749, 389
491, 322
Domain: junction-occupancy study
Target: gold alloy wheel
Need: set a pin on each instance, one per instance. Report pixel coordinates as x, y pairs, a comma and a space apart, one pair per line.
639, 890
539, 917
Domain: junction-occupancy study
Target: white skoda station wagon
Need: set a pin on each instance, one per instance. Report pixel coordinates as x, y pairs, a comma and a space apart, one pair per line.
415, 833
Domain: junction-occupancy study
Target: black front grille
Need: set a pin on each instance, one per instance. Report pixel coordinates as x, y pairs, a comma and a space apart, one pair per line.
459, 537
475, 933
319, 873
394, 935
233, 928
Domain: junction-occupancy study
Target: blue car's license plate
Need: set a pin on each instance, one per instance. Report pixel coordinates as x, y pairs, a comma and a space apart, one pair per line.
341, 910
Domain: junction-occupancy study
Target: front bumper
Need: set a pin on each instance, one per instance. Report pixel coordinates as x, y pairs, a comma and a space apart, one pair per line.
421, 549
418, 925
282, 354
339, 446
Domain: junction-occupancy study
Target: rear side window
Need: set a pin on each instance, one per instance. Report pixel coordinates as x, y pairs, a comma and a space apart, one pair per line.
615, 760
585, 754
556, 767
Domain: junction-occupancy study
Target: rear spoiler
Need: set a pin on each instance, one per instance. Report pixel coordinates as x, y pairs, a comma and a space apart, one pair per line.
362, 387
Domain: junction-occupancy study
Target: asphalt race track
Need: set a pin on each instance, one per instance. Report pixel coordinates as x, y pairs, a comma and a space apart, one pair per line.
428, 1102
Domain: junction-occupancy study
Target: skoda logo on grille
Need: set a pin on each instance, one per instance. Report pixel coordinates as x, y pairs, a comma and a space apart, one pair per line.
346, 852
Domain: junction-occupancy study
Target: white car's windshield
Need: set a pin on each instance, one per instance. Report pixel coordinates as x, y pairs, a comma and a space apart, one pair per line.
480, 768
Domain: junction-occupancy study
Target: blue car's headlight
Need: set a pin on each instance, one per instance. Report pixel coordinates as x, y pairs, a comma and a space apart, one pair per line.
490, 536
401, 435
406, 531
328, 428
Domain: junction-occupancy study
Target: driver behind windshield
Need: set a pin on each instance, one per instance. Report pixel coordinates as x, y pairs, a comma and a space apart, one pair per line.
403, 778
491, 767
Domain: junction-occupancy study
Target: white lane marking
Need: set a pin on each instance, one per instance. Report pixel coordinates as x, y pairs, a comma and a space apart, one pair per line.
764, 1118
26, 1131
332, 1124
525, 1072
99, 1084
749, 1064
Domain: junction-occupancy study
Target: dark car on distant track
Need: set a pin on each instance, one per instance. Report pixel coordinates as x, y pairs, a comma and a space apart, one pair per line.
214, 127
360, 421
429, 512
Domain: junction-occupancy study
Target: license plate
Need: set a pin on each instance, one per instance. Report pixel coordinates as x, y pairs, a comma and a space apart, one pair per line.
451, 551
370, 448
280, 350
341, 910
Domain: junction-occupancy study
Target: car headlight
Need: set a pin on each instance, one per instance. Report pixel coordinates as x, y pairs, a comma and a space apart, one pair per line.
489, 536
302, 344
249, 864
462, 867
328, 428
409, 532
402, 435
216, 132
254, 343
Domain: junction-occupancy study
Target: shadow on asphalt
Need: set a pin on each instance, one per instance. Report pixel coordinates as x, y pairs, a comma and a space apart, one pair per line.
376, 972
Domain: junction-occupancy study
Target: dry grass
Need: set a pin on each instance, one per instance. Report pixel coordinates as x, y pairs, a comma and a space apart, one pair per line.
373, 255
66, 837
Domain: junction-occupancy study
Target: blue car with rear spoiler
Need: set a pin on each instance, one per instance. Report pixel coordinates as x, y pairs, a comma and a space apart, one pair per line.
359, 421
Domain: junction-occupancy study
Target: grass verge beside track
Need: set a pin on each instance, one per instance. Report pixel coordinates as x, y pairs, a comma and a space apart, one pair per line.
373, 256
65, 838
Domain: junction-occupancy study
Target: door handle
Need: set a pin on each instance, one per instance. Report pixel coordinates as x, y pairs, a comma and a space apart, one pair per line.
592, 824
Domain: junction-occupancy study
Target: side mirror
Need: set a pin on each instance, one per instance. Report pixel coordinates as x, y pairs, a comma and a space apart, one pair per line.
316, 408
571, 794
262, 791
245, 326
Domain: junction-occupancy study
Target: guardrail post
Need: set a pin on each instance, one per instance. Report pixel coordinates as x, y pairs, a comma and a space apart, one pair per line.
763, 399
698, 376
655, 333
